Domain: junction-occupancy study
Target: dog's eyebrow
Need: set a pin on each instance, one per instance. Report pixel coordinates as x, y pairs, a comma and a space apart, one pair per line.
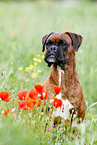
49, 41
62, 41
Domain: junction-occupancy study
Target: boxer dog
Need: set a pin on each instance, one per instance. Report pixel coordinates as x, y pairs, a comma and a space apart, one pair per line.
60, 54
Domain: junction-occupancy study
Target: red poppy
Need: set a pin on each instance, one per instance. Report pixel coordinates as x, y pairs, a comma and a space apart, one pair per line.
22, 95
6, 112
43, 95
30, 106
57, 89
39, 88
37, 103
26, 105
57, 102
23, 105
33, 94
5, 96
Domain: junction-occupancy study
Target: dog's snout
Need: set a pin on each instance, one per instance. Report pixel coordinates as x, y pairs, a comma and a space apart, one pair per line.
53, 48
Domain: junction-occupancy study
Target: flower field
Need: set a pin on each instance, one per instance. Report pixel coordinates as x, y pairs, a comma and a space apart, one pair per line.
24, 117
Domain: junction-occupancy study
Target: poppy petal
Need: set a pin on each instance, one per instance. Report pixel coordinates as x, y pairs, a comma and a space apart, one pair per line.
5, 96
33, 94
57, 89
22, 95
39, 88
6, 112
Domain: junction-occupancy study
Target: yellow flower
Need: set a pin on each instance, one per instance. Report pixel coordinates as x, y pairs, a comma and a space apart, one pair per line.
27, 69
42, 56
38, 55
20, 68
34, 75
35, 59
35, 63
31, 67
39, 71
38, 60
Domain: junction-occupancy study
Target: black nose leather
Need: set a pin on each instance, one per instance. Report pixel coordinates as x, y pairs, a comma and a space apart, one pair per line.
53, 48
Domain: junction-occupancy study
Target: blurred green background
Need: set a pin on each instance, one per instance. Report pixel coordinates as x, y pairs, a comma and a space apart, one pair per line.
45, 0
22, 26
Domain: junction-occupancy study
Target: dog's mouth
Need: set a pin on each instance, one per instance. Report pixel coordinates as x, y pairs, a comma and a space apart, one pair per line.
51, 59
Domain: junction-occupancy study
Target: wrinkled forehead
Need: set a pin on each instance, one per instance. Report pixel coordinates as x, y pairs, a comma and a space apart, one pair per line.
55, 37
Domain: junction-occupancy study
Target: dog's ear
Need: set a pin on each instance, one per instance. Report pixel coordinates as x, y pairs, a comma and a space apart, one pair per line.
76, 39
45, 37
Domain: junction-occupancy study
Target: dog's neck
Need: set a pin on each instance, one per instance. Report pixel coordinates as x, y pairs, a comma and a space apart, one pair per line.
64, 76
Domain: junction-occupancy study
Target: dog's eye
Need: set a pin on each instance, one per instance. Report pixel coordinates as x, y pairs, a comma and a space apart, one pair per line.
64, 44
61, 43
49, 43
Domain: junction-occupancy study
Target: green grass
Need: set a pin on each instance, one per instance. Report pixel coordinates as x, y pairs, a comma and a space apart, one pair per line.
32, 20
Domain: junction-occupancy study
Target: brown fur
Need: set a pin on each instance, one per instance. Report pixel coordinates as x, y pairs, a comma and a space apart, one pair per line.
71, 87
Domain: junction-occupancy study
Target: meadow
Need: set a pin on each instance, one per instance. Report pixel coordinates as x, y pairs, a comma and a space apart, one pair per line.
22, 26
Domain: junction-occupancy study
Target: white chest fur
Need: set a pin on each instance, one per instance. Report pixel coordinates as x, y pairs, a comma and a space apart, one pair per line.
60, 71
62, 111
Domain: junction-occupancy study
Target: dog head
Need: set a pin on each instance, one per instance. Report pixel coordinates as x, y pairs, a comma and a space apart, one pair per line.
60, 47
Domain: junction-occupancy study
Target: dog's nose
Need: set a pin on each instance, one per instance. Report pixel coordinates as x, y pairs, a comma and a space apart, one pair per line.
53, 48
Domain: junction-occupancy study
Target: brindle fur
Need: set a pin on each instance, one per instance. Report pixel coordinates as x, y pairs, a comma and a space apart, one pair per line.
71, 87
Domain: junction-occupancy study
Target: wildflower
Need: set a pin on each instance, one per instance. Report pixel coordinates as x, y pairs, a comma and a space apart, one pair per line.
27, 69
52, 124
6, 112
50, 96
19, 61
57, 102
38, 71
34, 75
5, 96
35, 59
31, 67
26, 105
23, 105
39, 88
57, 89
33, 94
22, 95
38, 55
37, 103
38, 60
30, 106
20, 68
43, 95
42, 56
34, 101
35, 63
49, 128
